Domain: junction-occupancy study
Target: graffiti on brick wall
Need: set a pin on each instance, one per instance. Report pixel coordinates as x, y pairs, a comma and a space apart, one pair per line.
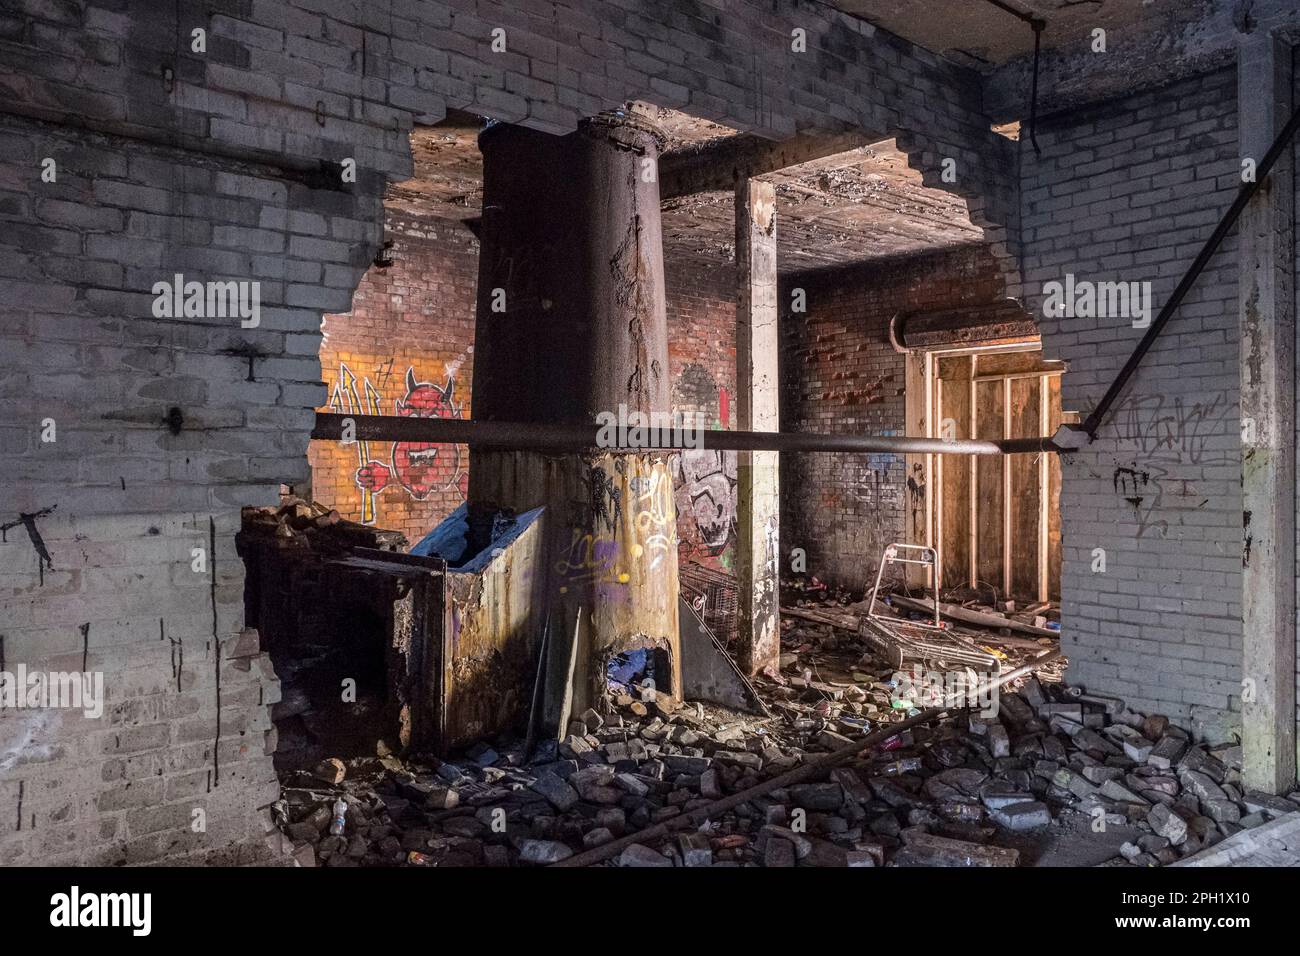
1173, 440
705, 488
704, 480
1172, 430
415, 469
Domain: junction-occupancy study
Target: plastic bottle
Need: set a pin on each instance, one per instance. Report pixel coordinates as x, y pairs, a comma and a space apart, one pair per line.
896, 767
340, 815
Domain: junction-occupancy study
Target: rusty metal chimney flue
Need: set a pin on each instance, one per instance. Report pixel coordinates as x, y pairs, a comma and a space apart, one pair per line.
571, 323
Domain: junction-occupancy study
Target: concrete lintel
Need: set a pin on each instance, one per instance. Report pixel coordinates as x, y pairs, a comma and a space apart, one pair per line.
1266, 300
757, 485
725, 164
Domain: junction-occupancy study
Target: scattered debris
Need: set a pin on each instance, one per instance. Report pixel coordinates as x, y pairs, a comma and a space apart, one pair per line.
980, 618
656, 782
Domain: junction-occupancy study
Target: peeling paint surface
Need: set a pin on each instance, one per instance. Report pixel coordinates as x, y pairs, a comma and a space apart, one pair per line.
20, 744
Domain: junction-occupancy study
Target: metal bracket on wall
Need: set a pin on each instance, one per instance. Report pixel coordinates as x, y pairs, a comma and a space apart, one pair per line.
1038, 25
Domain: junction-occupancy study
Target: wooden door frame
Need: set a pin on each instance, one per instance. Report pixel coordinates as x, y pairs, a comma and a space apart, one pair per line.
924, 412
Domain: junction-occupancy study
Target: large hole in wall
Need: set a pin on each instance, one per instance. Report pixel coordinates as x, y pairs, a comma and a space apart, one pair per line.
406, 349
639, 671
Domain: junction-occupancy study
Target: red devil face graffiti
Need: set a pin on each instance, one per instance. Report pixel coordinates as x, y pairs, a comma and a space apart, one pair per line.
419, 467
422, 467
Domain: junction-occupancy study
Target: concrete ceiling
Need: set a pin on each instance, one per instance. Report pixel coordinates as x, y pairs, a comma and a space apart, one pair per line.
855, 206
862, 204
980, 35
448, 178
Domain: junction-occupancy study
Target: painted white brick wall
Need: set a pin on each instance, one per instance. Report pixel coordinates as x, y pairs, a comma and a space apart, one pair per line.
186, 726
1128, 191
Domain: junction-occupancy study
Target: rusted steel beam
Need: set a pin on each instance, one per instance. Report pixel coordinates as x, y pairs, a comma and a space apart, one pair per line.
574, 437
993, 324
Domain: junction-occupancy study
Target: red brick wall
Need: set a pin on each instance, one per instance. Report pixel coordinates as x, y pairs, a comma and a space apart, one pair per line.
840, 374
418, 314
702, 369
406, 346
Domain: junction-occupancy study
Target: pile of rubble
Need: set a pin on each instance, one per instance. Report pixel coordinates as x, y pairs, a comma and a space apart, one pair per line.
312, 524
698, 784
946, 794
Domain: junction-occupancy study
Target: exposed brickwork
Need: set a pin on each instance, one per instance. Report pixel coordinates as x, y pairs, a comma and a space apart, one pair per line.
702, 340
840, 374
702, 368
186, 727
412, 322
1128, 192
420, 311
229, 164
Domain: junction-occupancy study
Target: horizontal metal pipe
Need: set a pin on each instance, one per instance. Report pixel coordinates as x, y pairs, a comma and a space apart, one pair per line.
329, 427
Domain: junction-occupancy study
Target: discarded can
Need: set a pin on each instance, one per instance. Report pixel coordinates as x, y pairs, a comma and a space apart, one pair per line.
904, 739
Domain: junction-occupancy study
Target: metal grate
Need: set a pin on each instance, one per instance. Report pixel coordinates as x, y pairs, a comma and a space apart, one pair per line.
712, 593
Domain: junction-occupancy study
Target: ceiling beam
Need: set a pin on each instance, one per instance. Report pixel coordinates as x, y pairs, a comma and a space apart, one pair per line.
717, 165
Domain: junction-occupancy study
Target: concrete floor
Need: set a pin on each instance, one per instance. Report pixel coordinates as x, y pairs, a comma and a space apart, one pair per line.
1069, 841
